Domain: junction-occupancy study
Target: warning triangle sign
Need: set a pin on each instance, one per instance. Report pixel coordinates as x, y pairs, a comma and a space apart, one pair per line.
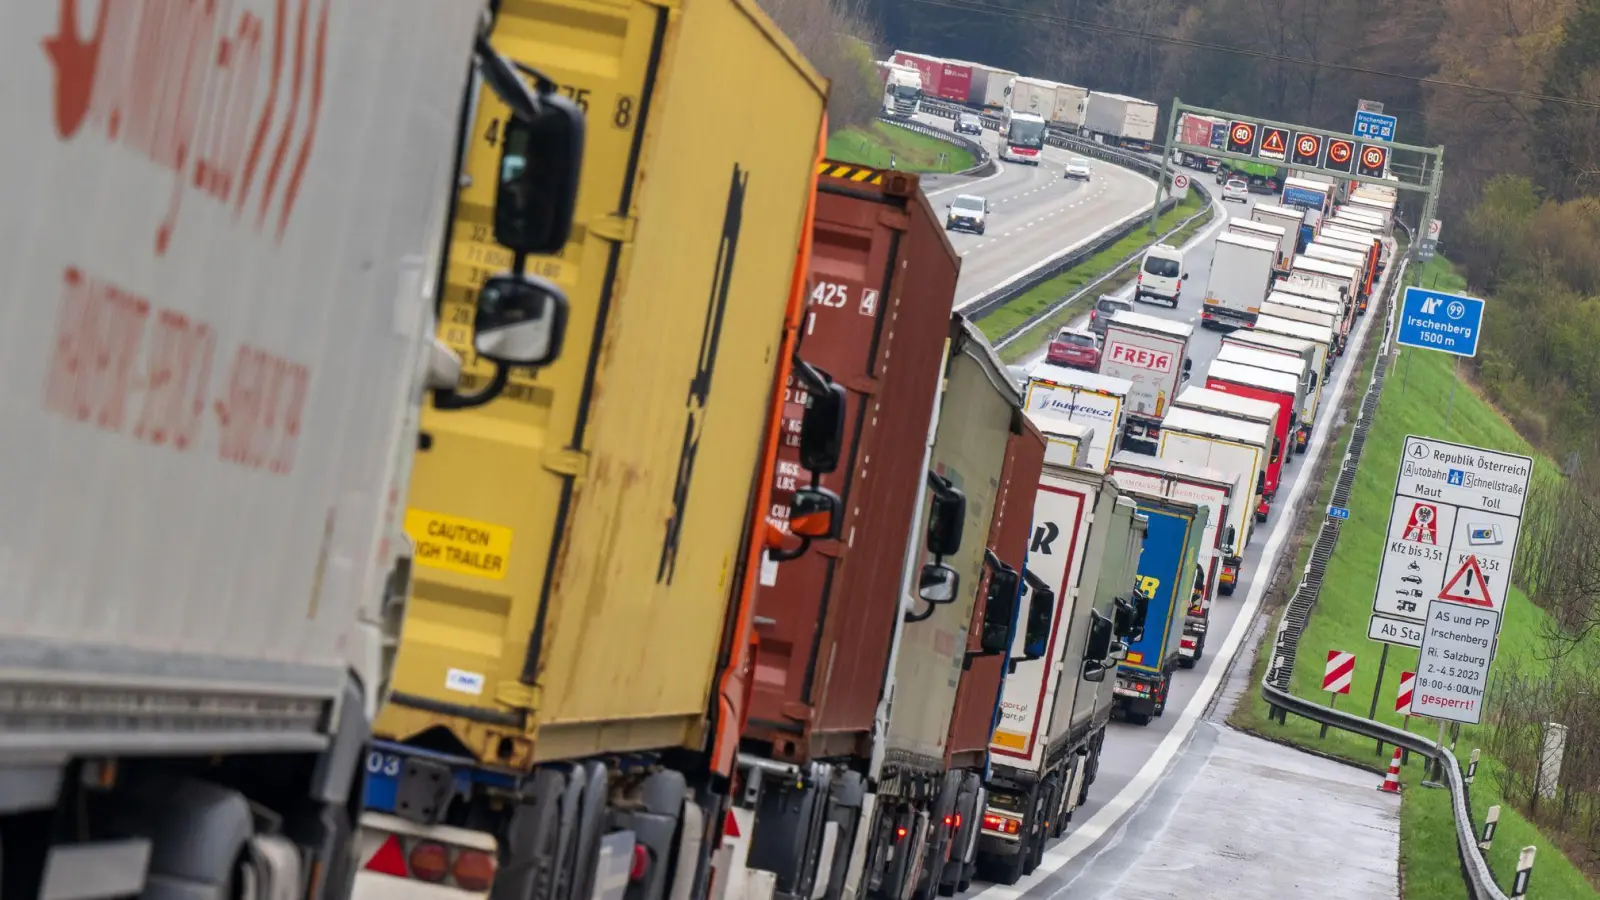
1273, 142
1468, 586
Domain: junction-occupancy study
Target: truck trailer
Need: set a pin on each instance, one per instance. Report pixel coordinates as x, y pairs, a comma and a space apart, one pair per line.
1196, 130
1071, 101
570, 508
1046, 744
1277, 234
1229, 374
1241, 270
1310, 356
1033, 95
816, 709
1169, 578
1230, 446
1296, 231
1088, 398
1120, 121
1151, 354
1323, 336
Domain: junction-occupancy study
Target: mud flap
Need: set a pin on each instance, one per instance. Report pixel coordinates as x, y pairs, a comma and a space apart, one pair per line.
655, 825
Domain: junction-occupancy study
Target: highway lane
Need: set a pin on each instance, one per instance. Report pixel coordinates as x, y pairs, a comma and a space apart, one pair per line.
1035, 212
1136, 757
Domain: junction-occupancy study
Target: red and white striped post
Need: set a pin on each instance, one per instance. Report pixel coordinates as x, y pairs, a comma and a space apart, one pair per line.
1337, 676
1402, 705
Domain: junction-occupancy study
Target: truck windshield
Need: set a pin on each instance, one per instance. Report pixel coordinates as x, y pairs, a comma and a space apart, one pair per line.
905, 91
1025, 134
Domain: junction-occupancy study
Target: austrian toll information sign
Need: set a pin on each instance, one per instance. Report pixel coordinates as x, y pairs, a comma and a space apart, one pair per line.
1453, 528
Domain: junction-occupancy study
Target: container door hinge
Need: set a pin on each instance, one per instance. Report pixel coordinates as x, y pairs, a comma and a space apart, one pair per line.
518, 695
569, 462
614, 228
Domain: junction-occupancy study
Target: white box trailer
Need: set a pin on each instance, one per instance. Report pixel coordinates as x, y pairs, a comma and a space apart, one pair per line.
1033, 95
1337, 310
1091, 399
1291, 220
1151, 354
1241, 271
1325, 337
1305, 381
1227, 445
1277, 234
1345, 256
1292, 310
991, 85
1319, 271
1120, 120
1202, 487
212, 424
1069, 108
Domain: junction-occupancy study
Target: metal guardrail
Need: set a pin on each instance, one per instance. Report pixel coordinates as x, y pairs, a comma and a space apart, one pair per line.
1475, 872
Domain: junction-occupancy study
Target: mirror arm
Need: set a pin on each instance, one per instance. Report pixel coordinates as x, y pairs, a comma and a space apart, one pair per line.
501, 74
911, 617
777, 554
449, 399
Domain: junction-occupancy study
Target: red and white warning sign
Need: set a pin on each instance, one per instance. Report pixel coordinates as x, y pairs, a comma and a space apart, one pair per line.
1468, 586
1402, 700
1424, 525
1339, 673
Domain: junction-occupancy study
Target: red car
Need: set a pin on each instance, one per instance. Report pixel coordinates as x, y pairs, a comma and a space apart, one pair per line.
1075, 348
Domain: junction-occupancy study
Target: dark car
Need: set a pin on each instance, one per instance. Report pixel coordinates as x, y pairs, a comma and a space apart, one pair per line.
1104, 309
969, 123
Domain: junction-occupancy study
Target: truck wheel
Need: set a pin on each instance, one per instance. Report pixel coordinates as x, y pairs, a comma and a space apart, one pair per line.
1225, 590
1199, 651
1185, 662
1007, 871
1139, 718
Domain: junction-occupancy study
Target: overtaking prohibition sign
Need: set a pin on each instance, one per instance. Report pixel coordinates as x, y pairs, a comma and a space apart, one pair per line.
1341, 155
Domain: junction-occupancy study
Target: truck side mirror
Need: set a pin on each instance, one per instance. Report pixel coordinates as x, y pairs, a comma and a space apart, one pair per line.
938, 583
520, 320
1231, 538
822, 423
999, 608
1277, 448
1129, 617
1041, 616
814, 513
1188, 364
1098, 645
1119, 651
540, 161
1261, 482
947, 518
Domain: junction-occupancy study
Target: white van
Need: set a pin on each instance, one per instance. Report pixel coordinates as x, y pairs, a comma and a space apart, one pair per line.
1161, 275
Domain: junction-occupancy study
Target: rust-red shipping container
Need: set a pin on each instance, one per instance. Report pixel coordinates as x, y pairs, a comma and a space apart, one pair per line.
883, 278
978, 694
931, 67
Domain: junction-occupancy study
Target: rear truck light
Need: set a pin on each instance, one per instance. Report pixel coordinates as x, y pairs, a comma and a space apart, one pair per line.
900, 833
949, 821
1002, 824
473, 870
958, 820
430, 862
1264, 508
641, 863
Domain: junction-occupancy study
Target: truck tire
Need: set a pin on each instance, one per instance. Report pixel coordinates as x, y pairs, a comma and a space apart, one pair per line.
1007, 870
1138, 718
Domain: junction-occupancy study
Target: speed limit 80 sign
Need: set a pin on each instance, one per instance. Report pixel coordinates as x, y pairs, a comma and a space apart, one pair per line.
1373, 161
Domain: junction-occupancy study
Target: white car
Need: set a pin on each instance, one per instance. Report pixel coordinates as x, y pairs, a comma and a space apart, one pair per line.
966, 213
1078, 169
1236, 190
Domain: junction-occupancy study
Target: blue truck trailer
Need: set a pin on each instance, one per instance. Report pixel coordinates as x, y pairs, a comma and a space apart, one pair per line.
1167, 581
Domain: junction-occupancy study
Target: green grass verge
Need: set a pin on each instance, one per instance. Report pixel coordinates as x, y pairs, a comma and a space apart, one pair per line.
1415, 399
1042, 296
912, 152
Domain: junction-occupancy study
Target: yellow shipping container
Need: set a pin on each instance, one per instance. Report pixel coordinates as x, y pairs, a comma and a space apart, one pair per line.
578, 539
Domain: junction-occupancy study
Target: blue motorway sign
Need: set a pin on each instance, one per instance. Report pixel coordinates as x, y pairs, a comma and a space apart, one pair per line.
1374, 126
1434, 320
1338, 512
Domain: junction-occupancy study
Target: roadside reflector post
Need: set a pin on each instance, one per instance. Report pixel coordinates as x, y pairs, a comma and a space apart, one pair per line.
1491, 820
1402, 705
1337, 676
1472, 767
1519, 887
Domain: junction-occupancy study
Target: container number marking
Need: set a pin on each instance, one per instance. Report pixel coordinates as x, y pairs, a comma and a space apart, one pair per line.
383, 764
833, 296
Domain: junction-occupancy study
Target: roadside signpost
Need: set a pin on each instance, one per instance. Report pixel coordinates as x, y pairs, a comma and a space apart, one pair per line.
1453, 668
1337, 676
1180, 187
1374, 126
1338, 512
1435, 320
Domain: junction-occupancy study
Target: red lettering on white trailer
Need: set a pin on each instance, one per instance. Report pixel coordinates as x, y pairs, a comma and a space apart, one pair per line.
1141, 357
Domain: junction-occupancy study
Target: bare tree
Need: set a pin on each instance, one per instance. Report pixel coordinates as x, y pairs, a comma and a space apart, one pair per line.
838, 37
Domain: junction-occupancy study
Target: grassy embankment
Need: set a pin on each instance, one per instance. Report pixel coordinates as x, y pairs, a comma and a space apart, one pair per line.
1045, 295
872, 145
1414, 401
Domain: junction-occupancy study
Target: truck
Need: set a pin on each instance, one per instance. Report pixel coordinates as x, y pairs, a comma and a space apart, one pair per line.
1295, 230
1054, 709
1202, 487
942, 79
1033, 95
570, 507
1120, 121
1366, 244
1196, 130
1356, 259
1151, 354
1323, 336
1229, 446
817, 710
1289, 305
1230, 374
1359, 219
1310, 356
1314, 198
214, 419
1089, 398
1170, 579
991, 86
912, 833
978, 697
1241, 270
902, 91
1320, 272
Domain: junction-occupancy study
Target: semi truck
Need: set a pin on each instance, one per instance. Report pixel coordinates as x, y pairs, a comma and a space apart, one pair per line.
1198, 131
1225, 445
902, 91
1169, 578
1033, 95
1324, 337
1205, 488
942, 79
1346, 278
1293, 306
1046, 744
1276, 234
1346, 256
1295, 230
215, 418
977, 704
991, 86
1310, 357
1070, 104
1088, 398
816, 714
1313, 198
1120, 121
1241, 270
570, 508
1230, 374
1151, 354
